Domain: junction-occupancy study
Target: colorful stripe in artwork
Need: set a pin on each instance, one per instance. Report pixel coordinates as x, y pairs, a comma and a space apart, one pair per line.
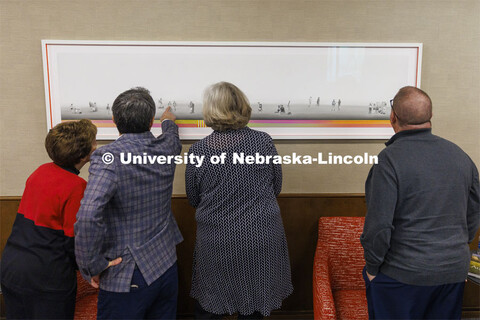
321, 123
273, 123
188, 123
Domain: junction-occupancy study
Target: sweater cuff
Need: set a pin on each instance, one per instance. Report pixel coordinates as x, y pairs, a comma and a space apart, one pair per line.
372, 270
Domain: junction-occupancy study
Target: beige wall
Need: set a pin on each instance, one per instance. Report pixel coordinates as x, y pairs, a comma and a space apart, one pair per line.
449, 30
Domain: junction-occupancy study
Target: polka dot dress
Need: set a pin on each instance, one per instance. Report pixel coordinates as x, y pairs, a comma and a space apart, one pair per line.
241, 259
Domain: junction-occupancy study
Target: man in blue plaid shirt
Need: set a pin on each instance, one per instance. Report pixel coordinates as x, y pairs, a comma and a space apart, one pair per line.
125, 234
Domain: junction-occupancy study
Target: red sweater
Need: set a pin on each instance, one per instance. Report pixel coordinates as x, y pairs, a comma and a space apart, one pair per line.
52, 198
39, 254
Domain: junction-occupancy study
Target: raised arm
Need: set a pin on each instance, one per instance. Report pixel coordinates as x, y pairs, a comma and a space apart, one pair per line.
169, 134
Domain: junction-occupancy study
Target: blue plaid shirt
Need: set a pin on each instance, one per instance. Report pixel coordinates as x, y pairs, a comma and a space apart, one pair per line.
126, 211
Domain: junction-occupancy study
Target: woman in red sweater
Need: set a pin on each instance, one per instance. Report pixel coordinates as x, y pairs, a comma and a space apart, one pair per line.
38, 264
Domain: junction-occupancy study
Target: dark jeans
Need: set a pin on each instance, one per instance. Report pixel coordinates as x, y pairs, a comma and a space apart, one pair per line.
156, 301
200, 313
390, 299
40, 305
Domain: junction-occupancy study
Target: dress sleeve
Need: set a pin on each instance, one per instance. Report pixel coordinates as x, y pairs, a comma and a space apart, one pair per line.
191, 185
277, 170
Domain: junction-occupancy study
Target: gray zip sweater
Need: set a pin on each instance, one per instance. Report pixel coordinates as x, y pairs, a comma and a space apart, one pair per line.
423, 209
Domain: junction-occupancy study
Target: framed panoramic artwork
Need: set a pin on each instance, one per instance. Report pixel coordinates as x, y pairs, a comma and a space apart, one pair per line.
296, 90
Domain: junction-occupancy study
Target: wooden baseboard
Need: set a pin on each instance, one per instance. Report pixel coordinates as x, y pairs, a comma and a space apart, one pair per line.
300, 213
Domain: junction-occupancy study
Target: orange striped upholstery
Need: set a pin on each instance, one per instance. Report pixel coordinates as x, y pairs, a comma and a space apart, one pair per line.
338, 286
86, 304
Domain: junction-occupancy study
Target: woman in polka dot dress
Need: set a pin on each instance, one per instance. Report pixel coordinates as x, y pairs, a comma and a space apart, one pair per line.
241, 261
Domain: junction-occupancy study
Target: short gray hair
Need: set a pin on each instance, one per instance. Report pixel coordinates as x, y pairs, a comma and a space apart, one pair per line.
225, 107
133, 111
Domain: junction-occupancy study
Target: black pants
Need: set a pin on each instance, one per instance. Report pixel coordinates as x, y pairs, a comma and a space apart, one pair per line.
390, 299
200, 313
41, 305
155, 301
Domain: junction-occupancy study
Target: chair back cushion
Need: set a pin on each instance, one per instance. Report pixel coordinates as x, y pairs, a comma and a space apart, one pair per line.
84, 288
86, 303
339, 238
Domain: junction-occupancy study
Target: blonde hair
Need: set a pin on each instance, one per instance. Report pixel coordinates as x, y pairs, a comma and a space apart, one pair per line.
225, 107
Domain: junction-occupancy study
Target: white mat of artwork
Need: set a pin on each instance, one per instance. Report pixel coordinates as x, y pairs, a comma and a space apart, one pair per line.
296, 90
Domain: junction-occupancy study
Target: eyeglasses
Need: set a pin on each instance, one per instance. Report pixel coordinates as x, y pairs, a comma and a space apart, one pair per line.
391, 105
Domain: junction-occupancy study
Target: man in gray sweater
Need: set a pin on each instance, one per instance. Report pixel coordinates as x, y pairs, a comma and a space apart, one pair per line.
423, 209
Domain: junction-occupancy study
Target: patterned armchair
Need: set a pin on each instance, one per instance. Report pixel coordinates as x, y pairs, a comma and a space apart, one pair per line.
86, 304
338, 286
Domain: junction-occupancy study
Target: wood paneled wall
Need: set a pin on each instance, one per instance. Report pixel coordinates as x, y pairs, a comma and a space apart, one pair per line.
300, 214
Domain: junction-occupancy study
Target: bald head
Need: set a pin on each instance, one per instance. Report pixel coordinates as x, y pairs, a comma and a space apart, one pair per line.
412, 106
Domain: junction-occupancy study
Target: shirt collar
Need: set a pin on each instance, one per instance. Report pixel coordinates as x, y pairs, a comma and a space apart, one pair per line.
71, 169
137, 136
408, 133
